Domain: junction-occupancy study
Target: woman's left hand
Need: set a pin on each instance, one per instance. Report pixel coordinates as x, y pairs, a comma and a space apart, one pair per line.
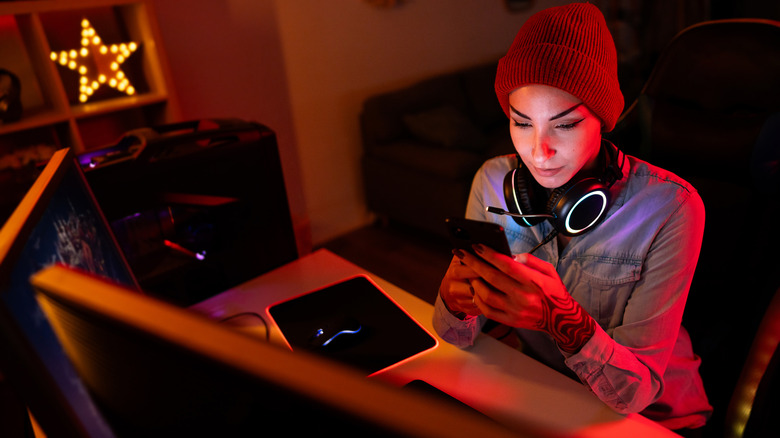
527, 292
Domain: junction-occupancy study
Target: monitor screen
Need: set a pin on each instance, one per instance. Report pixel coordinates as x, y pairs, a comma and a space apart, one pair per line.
58, 221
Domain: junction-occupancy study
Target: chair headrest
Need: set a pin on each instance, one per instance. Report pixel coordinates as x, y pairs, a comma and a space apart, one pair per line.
723, 65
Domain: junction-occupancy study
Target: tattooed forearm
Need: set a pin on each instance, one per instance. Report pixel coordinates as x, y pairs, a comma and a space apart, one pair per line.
567, 322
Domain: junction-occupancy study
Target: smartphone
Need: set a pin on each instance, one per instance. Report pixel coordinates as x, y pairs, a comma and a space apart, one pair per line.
466, 232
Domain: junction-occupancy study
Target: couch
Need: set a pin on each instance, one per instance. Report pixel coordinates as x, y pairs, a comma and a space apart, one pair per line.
423, 144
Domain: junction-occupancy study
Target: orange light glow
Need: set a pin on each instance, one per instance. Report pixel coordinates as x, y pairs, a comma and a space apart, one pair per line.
97, 63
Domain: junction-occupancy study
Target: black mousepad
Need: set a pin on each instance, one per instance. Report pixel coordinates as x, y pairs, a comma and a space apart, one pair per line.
386, 335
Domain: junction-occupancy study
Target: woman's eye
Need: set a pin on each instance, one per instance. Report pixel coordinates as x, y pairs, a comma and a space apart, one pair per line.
568, 126
521, 124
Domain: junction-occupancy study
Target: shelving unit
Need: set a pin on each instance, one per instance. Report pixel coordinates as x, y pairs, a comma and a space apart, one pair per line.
53, 116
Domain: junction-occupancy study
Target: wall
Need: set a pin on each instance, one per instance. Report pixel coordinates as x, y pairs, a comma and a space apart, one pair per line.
226, 61
304, 67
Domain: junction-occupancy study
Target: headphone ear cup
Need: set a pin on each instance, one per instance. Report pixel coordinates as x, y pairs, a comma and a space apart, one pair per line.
523, 195
578, 206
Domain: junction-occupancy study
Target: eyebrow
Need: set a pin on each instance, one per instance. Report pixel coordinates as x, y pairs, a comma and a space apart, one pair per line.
557, 116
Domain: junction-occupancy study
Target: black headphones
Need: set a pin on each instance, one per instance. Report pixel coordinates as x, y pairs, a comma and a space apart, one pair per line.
572, 209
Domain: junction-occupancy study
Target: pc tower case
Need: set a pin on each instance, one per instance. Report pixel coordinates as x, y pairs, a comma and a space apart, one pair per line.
197, 207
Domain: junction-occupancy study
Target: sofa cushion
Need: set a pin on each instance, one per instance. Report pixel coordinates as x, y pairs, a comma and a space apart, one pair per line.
446, 126
452, 164
382, 114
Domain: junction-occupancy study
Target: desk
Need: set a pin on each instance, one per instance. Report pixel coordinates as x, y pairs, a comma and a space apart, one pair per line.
491, 377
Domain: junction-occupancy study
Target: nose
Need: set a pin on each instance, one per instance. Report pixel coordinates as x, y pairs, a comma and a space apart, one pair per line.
541, 150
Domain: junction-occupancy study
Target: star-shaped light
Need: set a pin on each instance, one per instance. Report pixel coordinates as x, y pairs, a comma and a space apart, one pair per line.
97, 63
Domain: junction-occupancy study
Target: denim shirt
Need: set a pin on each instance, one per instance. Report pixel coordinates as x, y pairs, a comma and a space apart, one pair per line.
631, 274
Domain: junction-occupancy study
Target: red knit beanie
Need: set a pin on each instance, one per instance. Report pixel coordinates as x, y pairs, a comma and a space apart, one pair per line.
567, 47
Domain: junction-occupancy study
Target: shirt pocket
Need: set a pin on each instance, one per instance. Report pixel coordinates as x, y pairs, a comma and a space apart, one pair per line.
606, 284
520, 241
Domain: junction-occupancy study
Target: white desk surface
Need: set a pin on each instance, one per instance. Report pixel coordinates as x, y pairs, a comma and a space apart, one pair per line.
491, 377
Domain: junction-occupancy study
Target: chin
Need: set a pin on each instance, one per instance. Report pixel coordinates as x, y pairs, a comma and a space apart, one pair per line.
552, 182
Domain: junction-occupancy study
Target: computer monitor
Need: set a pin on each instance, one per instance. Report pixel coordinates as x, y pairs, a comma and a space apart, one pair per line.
156, 369
57, 221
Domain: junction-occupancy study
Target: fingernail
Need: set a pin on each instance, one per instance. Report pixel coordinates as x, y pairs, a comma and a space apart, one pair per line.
473, 292
478, 248
458, 253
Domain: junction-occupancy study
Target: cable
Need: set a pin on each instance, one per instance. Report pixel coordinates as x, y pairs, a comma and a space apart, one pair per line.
549, 237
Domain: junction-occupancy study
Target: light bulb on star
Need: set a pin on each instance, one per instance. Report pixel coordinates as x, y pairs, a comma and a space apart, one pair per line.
97, 63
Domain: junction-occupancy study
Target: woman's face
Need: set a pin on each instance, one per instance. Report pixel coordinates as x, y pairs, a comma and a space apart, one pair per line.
554, 133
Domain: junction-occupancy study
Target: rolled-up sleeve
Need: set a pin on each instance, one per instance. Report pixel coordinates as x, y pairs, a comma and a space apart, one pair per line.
453, 330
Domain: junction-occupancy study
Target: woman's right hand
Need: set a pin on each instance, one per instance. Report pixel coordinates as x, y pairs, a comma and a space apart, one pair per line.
456, 290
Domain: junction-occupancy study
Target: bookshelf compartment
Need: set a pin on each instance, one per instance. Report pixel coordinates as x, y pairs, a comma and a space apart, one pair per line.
15, 59
19, 145
64, 33
52, 109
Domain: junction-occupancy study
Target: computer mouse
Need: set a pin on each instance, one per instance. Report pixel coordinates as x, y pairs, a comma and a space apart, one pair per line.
248, 322
333, 332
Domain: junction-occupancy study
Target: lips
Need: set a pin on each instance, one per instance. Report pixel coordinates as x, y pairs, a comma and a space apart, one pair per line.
548, 173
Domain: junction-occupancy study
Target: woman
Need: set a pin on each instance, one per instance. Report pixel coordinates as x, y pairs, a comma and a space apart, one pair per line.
602, 301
